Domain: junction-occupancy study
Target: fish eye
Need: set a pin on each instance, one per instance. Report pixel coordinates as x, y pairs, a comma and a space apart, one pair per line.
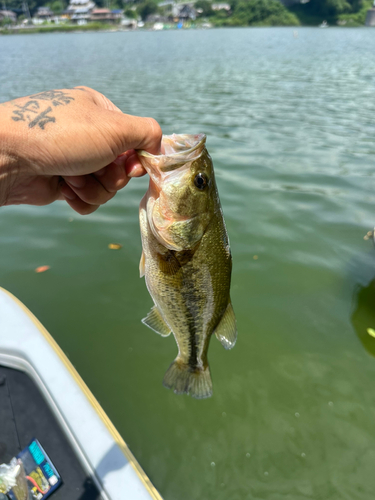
200, 181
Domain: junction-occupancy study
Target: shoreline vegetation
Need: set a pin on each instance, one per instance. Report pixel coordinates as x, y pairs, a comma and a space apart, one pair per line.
207, 14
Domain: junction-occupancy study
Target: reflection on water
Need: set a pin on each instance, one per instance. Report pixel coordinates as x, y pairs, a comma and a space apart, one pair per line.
363, 316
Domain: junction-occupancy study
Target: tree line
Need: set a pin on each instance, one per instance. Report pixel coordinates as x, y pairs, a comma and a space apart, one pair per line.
242, 12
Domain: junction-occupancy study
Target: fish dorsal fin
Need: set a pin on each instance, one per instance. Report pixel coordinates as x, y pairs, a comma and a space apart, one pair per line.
155, 321
142, 265
226, 330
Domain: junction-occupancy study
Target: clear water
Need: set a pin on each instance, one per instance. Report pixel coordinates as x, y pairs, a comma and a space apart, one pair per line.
290, 125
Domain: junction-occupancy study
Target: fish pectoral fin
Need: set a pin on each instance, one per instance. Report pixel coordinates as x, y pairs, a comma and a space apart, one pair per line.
155, 321
142, 265
168, 263
226, 331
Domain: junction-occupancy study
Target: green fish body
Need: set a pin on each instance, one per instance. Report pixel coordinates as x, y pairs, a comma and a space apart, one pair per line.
186, 259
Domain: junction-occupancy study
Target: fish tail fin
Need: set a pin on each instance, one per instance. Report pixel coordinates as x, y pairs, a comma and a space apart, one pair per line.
185, 380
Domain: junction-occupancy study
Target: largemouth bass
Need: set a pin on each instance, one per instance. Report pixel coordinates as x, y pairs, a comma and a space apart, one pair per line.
186, 259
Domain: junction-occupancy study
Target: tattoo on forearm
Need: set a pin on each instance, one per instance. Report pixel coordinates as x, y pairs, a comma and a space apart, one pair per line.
35, 113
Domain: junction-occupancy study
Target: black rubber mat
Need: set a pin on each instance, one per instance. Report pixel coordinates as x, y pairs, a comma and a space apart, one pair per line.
25, 415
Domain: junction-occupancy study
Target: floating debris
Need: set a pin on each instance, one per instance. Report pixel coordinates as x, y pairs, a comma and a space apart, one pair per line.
42, 269
114, 246
255, 257
370, 235
371, 332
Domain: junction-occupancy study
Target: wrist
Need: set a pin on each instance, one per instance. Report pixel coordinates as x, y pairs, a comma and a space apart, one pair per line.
9, 163
8, 176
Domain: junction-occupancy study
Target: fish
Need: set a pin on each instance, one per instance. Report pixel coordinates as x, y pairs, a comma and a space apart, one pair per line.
186, 259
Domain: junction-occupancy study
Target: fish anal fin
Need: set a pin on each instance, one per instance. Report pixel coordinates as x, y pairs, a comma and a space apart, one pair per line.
155, 321
142, 265
185, 380
226, 331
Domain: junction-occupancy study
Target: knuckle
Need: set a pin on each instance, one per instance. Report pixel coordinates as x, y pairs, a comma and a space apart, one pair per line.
156, 131
83, 87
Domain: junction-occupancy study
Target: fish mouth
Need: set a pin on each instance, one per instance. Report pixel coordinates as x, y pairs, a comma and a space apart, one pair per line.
177, 149
178, 152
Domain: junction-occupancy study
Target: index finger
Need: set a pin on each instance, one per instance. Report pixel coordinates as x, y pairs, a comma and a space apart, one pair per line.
134, 132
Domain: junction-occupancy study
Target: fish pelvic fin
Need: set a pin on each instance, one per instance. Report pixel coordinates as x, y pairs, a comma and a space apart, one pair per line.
226, 331
185, 380
142, 265
155, 321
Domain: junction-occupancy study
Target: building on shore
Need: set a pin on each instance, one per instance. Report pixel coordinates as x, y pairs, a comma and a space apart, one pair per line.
79, 11
182, 12
102, 15
8, 15
81, 16
118, 15
44, 14
174, 13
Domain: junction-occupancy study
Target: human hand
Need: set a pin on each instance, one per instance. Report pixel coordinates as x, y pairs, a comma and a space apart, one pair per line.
71, 144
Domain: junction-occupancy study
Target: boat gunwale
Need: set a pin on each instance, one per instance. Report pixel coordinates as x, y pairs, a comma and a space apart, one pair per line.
87, 393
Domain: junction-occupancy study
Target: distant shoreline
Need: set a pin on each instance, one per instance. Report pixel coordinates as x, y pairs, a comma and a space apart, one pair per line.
110, 28
62, 29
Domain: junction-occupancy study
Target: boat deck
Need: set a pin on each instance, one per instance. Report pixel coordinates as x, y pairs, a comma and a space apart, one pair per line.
24, 415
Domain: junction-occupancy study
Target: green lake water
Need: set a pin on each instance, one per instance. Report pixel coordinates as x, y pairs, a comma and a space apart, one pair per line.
290, 120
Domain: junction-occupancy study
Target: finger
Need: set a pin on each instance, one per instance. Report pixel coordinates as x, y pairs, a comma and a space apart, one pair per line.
89, 189
75, 202
66, 192
113, 177
81, 207
133, 166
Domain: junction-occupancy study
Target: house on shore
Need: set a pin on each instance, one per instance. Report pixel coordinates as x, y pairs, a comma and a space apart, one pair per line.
102, 15
8, 14
79, 11
118, 15
182, 12
44, 14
